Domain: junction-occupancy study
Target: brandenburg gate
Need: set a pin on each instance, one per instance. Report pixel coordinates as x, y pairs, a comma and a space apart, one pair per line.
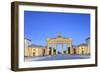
53, 42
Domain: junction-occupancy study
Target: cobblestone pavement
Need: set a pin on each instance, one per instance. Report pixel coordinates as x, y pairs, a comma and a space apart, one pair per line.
56, 57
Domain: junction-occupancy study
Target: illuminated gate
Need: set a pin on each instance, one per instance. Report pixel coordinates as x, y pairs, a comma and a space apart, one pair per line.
53, 42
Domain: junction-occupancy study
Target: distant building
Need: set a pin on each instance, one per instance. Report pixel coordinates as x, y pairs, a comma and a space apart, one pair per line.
27, 43
88, 43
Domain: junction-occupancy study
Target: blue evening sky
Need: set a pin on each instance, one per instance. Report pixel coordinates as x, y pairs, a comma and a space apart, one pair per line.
42, 25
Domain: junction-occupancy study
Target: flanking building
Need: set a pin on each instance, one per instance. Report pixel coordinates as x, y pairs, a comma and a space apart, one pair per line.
35, 50
38, 50
82, 49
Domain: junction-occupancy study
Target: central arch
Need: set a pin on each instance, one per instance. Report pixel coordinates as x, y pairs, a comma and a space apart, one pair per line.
53, 42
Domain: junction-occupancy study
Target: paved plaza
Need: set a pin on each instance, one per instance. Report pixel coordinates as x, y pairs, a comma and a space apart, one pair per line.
57, 57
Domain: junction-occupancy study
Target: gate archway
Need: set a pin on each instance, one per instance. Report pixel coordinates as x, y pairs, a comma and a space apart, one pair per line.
53, 42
